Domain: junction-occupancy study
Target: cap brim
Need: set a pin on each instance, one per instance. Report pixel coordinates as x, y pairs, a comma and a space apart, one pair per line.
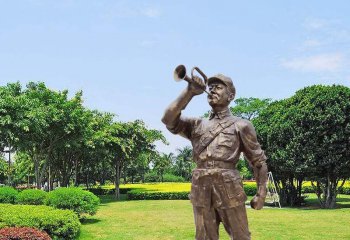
211, 79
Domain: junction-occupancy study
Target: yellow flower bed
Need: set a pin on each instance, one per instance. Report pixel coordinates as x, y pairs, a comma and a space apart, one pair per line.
161, 187
308, 183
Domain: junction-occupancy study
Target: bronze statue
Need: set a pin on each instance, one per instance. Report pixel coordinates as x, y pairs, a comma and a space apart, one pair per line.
217, 193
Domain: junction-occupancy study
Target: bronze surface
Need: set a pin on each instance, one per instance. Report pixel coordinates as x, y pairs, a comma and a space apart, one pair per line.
217, 193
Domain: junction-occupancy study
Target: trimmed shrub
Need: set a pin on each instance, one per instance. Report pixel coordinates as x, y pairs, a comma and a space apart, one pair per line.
310, 189
152, 177
75, 199
137, 195
59, 224
307, 189
23, 233
122, 190
172, 178
250, 189
344, 190
32, 197
104, 191
8, 195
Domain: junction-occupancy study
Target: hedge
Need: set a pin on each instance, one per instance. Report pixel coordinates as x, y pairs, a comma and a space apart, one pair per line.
32, 197
75, 199
137, 195
59, 224
8, 195
341, 190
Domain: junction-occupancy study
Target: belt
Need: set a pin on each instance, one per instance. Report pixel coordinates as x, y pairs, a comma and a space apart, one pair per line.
216, 164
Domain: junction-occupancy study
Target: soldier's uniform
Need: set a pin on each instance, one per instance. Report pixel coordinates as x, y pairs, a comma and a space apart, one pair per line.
217, 191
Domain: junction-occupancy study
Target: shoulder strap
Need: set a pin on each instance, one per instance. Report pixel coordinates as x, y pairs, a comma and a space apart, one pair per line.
214, 132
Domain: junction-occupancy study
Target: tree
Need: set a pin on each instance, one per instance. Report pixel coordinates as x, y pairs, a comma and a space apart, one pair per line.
3, 169
23, 168
126, 141
12, 119
162, 162
308, 135
249, 108
184, 163
275, 131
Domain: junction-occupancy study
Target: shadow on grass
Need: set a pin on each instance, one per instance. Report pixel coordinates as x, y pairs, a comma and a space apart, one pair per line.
88, 221
314, 204
105, 199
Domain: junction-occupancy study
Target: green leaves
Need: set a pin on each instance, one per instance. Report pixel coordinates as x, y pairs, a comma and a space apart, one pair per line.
308, 135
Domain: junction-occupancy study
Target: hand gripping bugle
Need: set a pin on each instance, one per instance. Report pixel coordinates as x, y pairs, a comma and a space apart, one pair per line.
180, 74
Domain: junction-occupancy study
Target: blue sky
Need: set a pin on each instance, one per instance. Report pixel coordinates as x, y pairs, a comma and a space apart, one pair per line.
122, 53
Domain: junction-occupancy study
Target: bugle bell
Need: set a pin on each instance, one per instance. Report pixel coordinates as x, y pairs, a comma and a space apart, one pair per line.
180, 74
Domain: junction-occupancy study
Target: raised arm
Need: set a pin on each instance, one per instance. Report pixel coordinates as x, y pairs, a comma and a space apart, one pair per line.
257, 159
172, 113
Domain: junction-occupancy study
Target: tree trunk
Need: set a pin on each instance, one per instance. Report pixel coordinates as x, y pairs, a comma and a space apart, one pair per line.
36, 170
143, 175
118, 168
330, 201
87, 179
76, 173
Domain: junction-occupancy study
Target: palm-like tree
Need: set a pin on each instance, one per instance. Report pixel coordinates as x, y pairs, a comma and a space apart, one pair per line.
184, 163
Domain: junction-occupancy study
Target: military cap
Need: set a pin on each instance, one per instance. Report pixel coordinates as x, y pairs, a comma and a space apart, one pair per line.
225, 80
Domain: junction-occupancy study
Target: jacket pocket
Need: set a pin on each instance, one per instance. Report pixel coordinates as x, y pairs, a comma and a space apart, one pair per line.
200, 196
234, 187
226, 137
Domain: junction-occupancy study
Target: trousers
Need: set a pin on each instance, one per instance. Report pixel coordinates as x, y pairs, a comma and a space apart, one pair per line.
207, 221
217, 196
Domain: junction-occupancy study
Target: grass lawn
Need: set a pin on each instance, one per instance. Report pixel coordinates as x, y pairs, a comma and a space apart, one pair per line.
173, 219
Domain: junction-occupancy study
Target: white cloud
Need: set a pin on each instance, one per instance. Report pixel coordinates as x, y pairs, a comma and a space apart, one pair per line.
311, 43
317, 63
316, 23
151, 12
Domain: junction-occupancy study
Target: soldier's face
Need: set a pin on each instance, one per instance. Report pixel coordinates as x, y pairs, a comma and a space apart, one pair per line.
219, 95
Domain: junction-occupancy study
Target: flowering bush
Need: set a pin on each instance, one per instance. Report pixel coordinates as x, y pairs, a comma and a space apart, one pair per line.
22, 233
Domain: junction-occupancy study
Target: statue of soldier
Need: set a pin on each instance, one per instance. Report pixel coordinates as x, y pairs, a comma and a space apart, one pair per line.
217, 193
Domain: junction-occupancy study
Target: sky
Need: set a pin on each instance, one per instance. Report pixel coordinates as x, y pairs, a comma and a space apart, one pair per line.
122, 54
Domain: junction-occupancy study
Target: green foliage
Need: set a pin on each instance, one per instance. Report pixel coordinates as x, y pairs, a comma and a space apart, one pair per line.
3, 169
183, 163
250, 189
141, 195
23, 168
149, 194
244, 169
341, 190
55, 135
75, 199
308, 135
152, 176
168, 177
59, 224
249, 108
23, 233
32, 197
8, 195
344, 190
103, 191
